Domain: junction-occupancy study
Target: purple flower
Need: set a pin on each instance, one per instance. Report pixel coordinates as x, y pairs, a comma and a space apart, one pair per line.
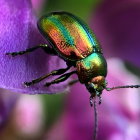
18, 32
116, 24
119, 112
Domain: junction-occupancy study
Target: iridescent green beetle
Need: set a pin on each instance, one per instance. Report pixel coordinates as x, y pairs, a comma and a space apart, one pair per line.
73, 41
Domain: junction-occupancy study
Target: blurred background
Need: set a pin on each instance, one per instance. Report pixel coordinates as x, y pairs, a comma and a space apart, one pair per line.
116, 24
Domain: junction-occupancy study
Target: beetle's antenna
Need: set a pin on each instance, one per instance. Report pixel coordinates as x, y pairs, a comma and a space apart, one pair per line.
126, 86
95, 120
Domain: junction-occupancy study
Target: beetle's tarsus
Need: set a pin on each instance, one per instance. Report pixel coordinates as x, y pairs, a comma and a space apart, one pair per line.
12, 54
100, 100
47, 84
27, 50
27, 84
90, 101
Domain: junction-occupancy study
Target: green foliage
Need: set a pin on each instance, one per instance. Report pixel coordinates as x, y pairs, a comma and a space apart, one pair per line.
53, 107
81, 8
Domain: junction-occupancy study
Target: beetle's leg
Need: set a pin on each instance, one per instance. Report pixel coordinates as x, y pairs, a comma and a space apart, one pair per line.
49, 50
100, 100
90, 101
69, 63
43, 46
60, 79
55, 72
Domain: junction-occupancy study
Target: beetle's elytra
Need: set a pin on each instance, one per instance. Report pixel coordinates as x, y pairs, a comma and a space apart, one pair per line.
68, 35
73, 41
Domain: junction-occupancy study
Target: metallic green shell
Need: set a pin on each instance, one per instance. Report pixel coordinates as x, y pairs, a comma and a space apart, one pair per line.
91, 66
68, 35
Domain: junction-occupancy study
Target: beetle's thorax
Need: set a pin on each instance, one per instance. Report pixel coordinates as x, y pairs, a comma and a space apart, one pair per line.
92, 66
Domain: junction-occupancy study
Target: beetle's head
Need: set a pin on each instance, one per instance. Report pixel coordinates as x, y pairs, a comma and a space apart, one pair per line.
96, 86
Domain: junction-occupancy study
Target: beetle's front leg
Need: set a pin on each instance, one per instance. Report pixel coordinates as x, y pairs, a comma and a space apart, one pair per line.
45, 47
90, 100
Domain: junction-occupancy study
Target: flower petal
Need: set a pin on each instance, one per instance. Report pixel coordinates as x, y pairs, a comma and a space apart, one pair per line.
18, 32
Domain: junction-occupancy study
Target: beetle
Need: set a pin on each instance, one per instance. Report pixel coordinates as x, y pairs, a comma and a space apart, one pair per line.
71, 39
